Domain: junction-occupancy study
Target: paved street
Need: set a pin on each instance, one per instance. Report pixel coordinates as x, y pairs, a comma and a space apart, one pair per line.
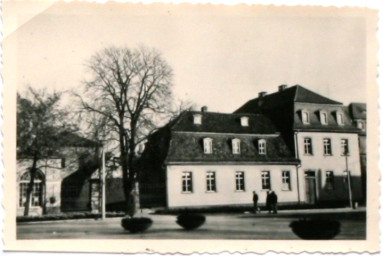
217, 226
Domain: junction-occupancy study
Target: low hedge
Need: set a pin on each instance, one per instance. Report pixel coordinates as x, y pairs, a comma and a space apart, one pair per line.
67, 216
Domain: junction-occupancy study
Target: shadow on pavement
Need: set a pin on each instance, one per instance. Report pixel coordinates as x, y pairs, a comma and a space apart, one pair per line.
326, 215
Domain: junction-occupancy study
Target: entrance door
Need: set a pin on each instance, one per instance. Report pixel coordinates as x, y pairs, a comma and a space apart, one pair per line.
310, 187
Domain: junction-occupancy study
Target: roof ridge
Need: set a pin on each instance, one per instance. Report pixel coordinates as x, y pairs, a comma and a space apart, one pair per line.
220, 113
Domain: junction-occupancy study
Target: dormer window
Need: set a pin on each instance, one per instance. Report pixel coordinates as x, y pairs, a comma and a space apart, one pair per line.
361, 125
208, 145
323, 117
236, 144
197, 119
244, 121
305, 117
339, 118
262, 147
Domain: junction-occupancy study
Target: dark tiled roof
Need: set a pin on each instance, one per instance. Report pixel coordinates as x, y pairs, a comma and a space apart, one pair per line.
189, 148
285, 97
315, 123
304, 95
358, 110
224, 123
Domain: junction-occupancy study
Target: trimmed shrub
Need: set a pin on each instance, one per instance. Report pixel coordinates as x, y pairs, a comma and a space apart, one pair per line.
190, 221
136, 225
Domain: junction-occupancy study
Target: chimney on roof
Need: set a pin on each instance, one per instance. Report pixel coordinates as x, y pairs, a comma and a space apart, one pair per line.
262, 94
282, 87
204, 109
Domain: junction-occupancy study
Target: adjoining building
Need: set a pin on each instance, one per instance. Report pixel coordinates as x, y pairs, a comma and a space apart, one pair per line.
358, 113
68, 181
324, 138
212, 159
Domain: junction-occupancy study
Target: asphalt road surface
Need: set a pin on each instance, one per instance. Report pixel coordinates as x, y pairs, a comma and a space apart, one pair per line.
217, 226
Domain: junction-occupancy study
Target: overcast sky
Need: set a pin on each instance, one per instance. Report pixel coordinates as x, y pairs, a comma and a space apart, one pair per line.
221, 56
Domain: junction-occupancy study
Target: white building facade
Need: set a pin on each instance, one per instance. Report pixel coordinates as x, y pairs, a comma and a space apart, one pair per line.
221, 185
324, 138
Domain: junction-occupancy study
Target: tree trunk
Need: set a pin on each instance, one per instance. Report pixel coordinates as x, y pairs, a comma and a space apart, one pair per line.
33, 171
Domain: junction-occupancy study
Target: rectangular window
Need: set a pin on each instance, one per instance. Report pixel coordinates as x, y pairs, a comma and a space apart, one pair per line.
36, 196
262, 147
266, 180
63, 164
329, 180
308, 146
208, 145
23, 194
210, 182
187, 182
236, 144
286, 180
361, 125
305, 117
344, 147
323, 117
327, 147
239, 181
339, 118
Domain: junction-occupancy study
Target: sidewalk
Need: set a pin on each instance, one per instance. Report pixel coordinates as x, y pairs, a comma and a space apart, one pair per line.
217, 226
296, 213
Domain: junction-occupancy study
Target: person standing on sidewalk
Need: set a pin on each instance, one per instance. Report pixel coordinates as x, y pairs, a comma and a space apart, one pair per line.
268, 201
255, 201
273, 202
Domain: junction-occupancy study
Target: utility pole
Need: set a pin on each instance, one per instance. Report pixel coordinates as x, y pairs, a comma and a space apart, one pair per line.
349, 181
103, 198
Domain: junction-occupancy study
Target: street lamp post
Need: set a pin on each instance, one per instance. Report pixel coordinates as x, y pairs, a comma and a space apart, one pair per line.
348, 181
103, 198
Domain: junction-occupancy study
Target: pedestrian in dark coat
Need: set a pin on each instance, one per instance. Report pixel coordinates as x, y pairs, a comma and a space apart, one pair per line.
273, 202
268, 201
255, 201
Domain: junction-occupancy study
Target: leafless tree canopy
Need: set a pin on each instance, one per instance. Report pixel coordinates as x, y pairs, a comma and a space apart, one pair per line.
130, 89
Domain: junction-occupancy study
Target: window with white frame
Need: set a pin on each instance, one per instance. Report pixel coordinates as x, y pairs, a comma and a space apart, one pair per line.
308, 147
361, 124
344, 147
329, 180
244, 121
323, 117
262, 147
187, 182
327, 147
208, 145
239, 181
210, 182
266, 184
305, 117
236, 145
37, 189
286, 180
339, 118
197, 119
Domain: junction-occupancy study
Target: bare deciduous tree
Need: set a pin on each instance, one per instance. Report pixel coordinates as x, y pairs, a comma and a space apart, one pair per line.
130, 88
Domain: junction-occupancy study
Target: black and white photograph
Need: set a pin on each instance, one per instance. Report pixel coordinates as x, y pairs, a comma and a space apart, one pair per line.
160, 123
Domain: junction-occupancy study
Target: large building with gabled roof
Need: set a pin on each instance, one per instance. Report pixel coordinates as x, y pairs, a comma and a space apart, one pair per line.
211, 159
324, 138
